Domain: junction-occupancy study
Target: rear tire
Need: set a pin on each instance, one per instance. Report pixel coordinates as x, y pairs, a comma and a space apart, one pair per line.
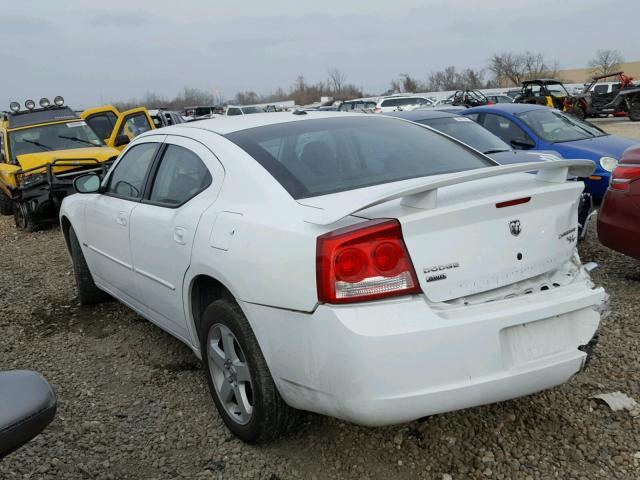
577, 112
232, 363
6, 204
88, 293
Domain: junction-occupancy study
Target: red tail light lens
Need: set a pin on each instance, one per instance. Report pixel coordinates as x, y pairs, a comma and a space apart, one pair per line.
623, 175
511, 203
362, 262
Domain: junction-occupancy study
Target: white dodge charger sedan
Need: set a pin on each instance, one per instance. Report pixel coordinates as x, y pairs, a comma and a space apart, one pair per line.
358, 266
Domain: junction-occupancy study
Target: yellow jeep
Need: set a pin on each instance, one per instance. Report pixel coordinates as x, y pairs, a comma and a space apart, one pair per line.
42, 150
117, 128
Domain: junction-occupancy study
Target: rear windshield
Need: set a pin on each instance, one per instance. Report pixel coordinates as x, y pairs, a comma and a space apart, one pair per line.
321, 156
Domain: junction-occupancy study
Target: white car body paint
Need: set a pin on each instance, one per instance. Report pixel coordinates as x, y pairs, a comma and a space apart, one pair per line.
496, 328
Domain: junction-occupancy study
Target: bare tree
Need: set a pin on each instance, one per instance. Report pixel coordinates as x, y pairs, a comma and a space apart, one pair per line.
247, 98
606, 61
336, 80
512, 69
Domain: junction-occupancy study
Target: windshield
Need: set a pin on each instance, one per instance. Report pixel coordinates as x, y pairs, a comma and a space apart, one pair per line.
555, 127
60, 136
247, 110
469, 132
322, 156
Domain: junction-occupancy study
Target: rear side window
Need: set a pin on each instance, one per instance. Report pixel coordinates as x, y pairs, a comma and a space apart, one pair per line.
321, 156
128, 178
391, 102
180, 177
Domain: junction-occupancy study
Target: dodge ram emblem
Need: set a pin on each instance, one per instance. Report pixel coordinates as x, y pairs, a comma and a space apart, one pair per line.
514, 227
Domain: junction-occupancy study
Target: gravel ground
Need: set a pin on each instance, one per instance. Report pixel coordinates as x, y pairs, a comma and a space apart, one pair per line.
134, 404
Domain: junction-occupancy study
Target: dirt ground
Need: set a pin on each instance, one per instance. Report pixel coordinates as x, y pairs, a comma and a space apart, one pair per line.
133, 403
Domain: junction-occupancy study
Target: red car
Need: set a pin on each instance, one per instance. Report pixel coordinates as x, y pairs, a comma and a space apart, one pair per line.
619, 217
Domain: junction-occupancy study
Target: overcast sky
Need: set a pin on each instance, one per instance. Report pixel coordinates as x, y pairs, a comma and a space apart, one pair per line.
96, 52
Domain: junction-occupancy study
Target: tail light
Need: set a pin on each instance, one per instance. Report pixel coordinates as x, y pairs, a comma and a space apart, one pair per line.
623, 175
377, 110
362, 262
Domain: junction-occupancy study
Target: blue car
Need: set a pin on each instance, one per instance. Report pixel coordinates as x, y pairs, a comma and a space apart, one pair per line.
535, 127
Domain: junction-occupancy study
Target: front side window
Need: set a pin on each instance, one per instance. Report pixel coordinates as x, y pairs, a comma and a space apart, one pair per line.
504, 128
391, 102
134, 125
128, 177
234, 111
554, 126
181, 175
322, 156
48, 138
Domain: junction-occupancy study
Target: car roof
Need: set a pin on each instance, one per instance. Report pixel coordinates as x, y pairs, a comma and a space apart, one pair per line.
513, 108
417, 115
224, 125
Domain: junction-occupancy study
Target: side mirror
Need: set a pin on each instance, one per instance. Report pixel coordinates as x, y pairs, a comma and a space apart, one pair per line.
524, 143
121, 140
28, 406
89, 183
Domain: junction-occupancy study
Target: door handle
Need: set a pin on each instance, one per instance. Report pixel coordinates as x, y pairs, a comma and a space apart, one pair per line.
121, 219
178, 235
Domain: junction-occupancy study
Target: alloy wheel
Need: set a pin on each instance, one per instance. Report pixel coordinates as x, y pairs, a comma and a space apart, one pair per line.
230, 373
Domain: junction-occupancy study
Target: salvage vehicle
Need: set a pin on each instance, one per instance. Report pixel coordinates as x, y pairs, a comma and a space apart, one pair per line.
471, 133
28, 406
41, 151
320, 260
611, 98
499, 98
469, 98
162, 117
117, 128
358, 105
619, 217
545, 91
203, 111
533, 127
243, 110
401, 102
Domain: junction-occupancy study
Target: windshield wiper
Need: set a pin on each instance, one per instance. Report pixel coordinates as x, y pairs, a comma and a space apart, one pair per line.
38, 144
496, 150
81, 140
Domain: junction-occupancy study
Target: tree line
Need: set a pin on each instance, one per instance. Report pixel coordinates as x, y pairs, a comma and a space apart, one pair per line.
506, 69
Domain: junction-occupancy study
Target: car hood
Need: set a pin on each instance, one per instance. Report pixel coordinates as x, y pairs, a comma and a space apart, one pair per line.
523, 156
594, 148
40, 159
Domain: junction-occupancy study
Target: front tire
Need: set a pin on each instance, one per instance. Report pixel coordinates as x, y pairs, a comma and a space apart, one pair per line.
88, 293
23, 218
238, 377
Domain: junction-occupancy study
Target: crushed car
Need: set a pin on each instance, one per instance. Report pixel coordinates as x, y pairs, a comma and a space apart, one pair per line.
42, 150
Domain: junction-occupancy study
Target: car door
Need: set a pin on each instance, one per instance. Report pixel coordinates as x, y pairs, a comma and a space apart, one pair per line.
164, 224
102, 120
130, 124
107, 218
507, 130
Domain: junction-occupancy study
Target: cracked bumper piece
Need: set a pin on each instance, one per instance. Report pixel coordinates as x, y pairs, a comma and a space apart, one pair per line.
382, 363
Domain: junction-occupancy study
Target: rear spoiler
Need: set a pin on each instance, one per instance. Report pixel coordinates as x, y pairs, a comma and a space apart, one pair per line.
422, 192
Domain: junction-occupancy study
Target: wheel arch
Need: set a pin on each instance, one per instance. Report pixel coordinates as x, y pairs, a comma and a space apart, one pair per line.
65, 225
204, 289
